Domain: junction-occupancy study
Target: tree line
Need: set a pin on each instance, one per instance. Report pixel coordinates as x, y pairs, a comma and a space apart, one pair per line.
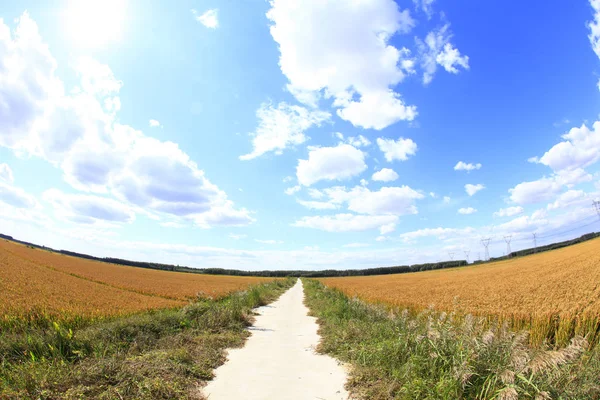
401, 269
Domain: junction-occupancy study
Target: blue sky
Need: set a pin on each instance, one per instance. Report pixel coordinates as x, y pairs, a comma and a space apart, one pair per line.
314, 134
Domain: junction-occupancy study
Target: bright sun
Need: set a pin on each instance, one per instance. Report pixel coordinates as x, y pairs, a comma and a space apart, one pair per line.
95, 23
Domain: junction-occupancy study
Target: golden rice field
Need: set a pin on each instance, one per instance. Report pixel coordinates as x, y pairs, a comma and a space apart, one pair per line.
35, 279
555, 294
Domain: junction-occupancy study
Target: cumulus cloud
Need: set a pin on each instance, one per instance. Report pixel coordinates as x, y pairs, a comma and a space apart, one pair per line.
154, 123
315, 193
349, 60
292, 190
356, 245
436, 50
399, 149
509, 211
345, 222
358, 141
387, 200
330, 163
16, 197
447, 199
268, 241
388, 228
318, 205
78, 133
472, 189
88, 208
235, 236
209, 18
581, 148
439, 233
467, 210
462, 166
385, 175
6, 173
379, 209
535, 191
569, 198
282, 127
546, 188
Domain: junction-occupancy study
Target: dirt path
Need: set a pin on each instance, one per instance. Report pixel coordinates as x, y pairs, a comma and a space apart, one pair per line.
278, 360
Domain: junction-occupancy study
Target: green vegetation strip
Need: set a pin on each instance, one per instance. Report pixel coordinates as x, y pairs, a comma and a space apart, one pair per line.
164, 354
431, 355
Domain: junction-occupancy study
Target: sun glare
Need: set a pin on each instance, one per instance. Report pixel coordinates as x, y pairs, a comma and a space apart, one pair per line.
94, 23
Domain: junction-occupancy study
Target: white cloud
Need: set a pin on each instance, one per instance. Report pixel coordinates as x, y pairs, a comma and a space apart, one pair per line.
546, 188
462, 166
237, 236
349, 61
439, 233
594, 26
6, 173
356, 245
450, 57
396, 201
446, 199
387, 200
282, 127
534, 191
364, 182
426, 6
209, 18
292, 190
433, 194
16, 197
78, 133
385, 175
358, 141
330, 163
569, 198
472, 189
467, 211
388, 228
318, 205
399, 149
509, 211
381, 238
581, 148
154, 123
268, 241
88, 209
436, 50
315, 193
288, 179
345, 222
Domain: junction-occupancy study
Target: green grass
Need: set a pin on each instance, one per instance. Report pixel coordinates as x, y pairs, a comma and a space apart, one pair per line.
432, 355
163, 354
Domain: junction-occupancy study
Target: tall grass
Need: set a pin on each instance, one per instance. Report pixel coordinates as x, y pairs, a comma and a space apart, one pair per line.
433, 355
160, 354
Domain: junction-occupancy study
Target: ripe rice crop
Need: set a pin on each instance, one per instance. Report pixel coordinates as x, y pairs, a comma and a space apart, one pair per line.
38, 281
554, 294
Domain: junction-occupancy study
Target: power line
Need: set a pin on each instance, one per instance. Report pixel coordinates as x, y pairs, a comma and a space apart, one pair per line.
451, 254
486, 243
467, 252
534, 242
596, 204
